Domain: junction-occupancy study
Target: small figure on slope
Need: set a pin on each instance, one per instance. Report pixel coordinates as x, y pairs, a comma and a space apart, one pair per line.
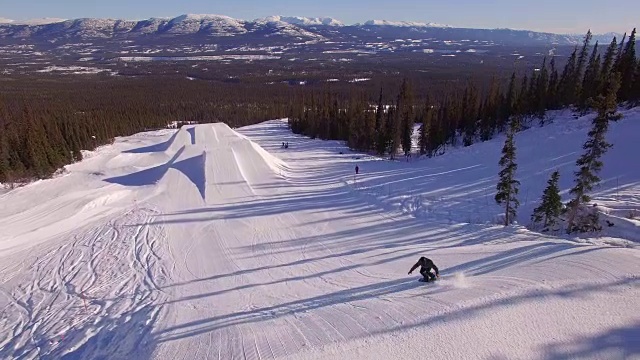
425, 269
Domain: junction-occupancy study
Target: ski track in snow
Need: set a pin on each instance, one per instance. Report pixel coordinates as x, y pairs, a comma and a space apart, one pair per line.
213, 243
66, 305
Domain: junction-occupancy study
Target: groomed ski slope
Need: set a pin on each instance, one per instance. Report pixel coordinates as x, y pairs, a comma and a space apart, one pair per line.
214, 243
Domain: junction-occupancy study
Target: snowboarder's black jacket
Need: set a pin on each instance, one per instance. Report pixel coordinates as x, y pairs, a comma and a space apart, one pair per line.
425, 265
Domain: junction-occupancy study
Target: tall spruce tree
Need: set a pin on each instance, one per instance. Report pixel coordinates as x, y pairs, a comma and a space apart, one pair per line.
626, 66
589, 163
393, 133
405, 107
511, 103
635, 96
552, 92
542, 89
4, 157
580, 65
550, 209
425, 128
382, 141
507, 187
523, 100
590, 81
607, 64
567, 86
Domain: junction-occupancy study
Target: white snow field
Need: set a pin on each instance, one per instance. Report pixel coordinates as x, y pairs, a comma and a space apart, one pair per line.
213, 243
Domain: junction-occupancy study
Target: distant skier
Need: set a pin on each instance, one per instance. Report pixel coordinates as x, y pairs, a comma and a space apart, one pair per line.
357, 169
425, 269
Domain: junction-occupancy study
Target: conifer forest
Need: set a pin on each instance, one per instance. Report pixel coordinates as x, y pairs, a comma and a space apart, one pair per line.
45, 122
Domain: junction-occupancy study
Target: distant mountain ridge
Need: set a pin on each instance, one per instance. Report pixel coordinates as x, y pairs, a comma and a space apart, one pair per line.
288, 27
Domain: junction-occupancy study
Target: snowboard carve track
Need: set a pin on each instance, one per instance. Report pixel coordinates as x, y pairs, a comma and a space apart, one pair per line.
78, 290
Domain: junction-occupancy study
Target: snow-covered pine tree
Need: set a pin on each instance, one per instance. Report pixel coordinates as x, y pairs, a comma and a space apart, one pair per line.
508, 186
550, 208
589, 163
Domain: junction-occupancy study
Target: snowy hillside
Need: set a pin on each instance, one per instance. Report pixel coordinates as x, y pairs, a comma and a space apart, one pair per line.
40, 21
253, 32
305, 21
401, 23
210, 242
193, 23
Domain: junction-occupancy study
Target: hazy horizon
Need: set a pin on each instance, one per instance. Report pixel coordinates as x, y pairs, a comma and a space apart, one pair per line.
567, 17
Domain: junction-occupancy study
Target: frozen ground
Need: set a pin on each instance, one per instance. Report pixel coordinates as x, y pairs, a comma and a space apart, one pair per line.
212, 243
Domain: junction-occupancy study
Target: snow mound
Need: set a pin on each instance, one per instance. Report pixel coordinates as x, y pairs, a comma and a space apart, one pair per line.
107, 200
202, 157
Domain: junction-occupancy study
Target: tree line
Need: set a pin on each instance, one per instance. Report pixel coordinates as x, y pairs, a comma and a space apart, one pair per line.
471, 114
591, 80
44, 124
601, 86
552, 214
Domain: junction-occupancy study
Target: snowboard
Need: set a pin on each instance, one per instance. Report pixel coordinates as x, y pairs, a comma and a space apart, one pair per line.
425, 281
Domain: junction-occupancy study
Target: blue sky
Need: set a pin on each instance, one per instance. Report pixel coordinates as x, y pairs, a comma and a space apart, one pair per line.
562, 16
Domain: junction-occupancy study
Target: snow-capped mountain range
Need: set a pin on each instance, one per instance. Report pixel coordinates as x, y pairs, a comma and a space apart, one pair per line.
301, 28
402, 24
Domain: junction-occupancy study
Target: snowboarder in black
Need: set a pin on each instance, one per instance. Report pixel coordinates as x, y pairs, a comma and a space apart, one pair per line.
425, 269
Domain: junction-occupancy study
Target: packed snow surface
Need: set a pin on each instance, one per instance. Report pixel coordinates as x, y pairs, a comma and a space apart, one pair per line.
209, 242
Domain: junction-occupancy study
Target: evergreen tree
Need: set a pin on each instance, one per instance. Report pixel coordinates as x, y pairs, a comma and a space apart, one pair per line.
4, 158
393, 133
635, 96
437, 133
552, 92
357, 124
370, 128
551, 205
35, 146
511, 103
567, 87
425, 128
542, 89
523, 100
469, 115
508, 186
590, 81
491, 111
580, 65
405, 106
589, 163
381, 134
607, 64
626, 66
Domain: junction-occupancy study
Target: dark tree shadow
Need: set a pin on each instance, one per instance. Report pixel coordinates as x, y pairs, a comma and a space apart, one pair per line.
379, 289
126, 337
620, 343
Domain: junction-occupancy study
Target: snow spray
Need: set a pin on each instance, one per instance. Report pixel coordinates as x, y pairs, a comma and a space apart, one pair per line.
460, 280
